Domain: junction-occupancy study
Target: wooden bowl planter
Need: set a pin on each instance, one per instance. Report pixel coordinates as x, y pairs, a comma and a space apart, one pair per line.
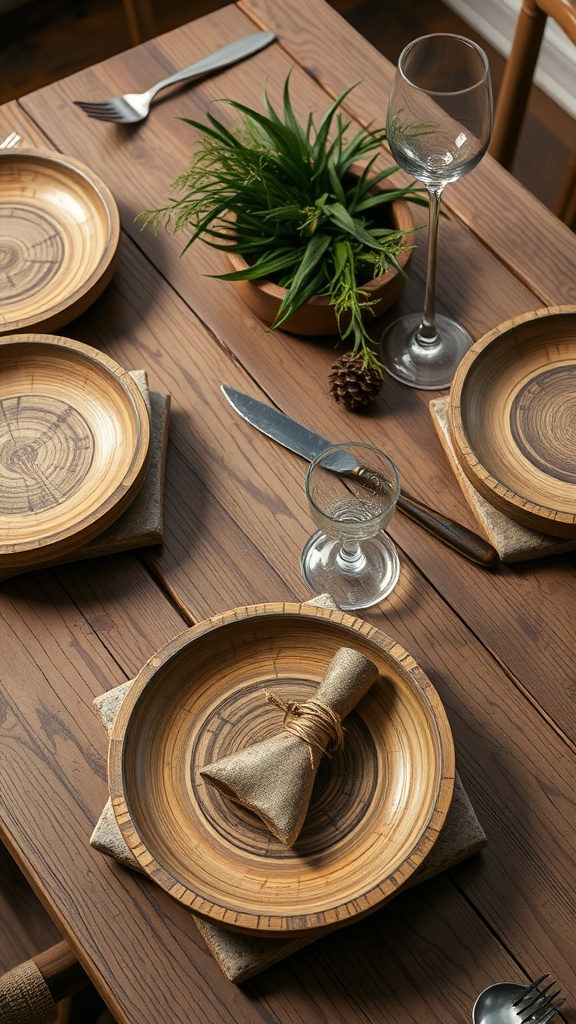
512, 418
317, 316
378, 805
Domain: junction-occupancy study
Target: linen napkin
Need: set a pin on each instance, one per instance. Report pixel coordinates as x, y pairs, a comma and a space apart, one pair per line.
142, 523
513, 542
242, 956
275, 778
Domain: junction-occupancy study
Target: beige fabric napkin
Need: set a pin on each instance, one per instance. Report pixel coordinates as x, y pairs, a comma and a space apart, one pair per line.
275, 777
142, 524
513, 542
242, 956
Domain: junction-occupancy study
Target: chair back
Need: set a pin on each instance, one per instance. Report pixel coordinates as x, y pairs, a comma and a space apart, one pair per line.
517, 81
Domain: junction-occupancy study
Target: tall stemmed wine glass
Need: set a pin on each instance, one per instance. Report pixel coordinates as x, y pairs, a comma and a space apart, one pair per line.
439, 124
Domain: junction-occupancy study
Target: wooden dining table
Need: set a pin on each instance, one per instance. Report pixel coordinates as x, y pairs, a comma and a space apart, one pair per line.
498, 644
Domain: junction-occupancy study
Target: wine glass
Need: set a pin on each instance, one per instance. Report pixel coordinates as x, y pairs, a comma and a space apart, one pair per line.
438, 127
352, 490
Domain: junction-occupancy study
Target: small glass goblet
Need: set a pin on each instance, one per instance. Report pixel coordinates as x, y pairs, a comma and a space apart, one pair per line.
438, 128
352, 490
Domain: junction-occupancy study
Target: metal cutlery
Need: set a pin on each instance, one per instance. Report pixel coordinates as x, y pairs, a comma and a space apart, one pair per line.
308, 444
10, 141
506, 1003
133, 107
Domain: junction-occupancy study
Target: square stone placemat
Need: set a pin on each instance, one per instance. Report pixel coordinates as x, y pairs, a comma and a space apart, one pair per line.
513, 542
242, 956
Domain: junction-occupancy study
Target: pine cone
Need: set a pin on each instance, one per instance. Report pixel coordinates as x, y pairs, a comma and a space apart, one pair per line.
353, 383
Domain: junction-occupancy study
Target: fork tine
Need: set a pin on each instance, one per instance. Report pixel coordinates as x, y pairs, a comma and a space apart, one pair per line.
107, 118
530, 988
11, 140
536, 1006
89, 107
551, 1012
97, 116
537, 998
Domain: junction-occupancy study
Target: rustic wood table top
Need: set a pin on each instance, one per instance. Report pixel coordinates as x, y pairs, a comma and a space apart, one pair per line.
498, 644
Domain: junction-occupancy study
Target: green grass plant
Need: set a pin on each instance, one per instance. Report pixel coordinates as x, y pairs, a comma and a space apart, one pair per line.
285, 196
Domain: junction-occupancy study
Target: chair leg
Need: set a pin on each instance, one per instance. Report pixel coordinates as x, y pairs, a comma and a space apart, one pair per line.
64, 1011
566, 206
140, 17
517, 81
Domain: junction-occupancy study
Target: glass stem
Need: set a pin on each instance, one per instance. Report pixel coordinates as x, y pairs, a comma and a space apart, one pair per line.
427, 333
350, 558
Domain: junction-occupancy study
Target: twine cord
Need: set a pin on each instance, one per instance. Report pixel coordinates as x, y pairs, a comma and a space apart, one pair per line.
312, 721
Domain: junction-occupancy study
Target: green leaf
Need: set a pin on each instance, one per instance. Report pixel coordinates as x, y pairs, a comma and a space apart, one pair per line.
267, 265
280, 191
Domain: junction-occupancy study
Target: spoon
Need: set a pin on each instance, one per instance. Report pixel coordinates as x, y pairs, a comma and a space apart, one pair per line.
507, 1003
495, 1004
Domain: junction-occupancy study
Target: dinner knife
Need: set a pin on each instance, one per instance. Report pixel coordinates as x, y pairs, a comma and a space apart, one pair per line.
309, 445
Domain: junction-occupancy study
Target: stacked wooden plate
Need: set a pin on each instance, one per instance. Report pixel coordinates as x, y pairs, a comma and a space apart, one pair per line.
59, 235
512, 419
377, 807
74, 446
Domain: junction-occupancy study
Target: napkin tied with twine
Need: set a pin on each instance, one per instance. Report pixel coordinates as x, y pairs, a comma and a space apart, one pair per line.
275, 778
241, 957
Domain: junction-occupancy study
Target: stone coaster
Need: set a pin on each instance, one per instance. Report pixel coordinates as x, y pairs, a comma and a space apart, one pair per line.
513, 542
242, 956
142, 524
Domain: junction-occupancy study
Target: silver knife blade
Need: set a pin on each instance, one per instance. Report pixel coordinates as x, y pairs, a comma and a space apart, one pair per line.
309, 445
287, 432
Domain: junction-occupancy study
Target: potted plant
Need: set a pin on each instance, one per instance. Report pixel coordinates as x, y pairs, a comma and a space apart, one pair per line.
314, 242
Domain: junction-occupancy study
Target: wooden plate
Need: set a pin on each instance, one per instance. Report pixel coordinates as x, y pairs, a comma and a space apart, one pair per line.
74, 443
59, 234
377, 806
512, 417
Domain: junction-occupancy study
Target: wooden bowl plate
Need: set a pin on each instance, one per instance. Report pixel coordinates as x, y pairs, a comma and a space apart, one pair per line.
59, 235
74, 446
512, 417
377, 806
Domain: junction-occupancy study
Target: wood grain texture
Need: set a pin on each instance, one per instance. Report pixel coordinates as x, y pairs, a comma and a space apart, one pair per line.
209, 531
214, 300
25, 927
235, 522
512, 416
543, 259
373, 819
74, 446
59, 235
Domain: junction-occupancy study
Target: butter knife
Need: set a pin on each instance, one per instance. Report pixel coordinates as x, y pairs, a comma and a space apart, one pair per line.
309, 445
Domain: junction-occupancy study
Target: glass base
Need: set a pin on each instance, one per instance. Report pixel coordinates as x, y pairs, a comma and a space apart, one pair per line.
430, 367
358, 583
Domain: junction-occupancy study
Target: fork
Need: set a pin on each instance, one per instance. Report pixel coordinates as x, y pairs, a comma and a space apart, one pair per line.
507, 1003
11, 140
133, 107
537, 1006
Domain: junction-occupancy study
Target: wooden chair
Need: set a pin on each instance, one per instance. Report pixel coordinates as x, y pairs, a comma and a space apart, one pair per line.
31, 992
35, 986
513, 98
140, 17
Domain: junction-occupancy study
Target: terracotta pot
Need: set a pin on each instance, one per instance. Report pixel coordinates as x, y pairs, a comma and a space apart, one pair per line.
317, 316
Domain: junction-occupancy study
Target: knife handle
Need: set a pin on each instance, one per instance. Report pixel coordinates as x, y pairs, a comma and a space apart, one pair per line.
451, 533
456, 536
